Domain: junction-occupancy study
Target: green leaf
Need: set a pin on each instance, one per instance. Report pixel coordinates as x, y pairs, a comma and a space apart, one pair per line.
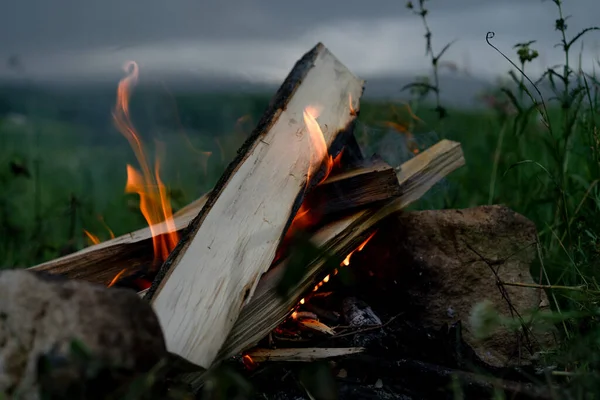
512, 99
580, 34
441, 53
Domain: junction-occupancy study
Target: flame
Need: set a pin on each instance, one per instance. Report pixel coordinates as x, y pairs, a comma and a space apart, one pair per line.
93, 238
337, 161
344, 263
110, 232
116, 278
154, 202
352, 110
318, 153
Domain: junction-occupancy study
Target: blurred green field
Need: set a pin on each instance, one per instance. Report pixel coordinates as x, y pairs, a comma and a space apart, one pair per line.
63, 171
59, 178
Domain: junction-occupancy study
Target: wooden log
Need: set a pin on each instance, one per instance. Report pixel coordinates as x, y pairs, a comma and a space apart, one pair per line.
370, 181
213, 272
267, 308
100, 263
307, 354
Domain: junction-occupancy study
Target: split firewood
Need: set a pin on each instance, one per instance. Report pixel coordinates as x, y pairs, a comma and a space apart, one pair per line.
369, 181
413, 178
214, 270
100, 263
267, 308
308, 354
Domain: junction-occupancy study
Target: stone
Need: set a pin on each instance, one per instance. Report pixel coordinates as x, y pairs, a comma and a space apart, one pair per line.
440, 264
50, 326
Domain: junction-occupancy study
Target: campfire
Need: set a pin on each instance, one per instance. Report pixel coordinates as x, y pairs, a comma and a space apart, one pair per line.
255, 263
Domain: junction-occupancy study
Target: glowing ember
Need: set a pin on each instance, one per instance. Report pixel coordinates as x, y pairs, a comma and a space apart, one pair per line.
154, 202
344, 263
248, 362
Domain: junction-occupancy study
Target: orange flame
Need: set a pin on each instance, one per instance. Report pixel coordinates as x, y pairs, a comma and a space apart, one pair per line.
352, 110
319, 153
346, 261
93, 238
110, 232
116, 278
154, 202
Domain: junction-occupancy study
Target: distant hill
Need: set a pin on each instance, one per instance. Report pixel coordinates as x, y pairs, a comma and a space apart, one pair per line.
457, 91
90, 101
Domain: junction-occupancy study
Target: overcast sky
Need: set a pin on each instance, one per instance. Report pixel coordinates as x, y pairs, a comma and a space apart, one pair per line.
261, 39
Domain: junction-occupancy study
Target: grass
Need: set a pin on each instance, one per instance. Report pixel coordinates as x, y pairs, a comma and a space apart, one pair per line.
540, 157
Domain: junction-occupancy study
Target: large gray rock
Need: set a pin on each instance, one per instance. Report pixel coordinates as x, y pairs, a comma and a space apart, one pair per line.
438, 264
45, 319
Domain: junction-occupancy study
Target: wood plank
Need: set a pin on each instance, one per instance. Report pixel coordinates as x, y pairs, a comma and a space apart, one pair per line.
101, 262
214, 270
306, 354
267, 309
370, 181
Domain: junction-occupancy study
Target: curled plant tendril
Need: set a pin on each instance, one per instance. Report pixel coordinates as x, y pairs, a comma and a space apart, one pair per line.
490, 35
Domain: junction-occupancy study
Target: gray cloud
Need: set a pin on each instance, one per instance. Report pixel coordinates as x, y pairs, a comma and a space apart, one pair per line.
260, 40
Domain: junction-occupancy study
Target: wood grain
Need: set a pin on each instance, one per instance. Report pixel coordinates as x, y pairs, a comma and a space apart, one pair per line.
214, 270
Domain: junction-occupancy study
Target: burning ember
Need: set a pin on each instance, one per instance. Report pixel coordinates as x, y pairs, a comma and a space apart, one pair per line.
344, 263
306, 320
